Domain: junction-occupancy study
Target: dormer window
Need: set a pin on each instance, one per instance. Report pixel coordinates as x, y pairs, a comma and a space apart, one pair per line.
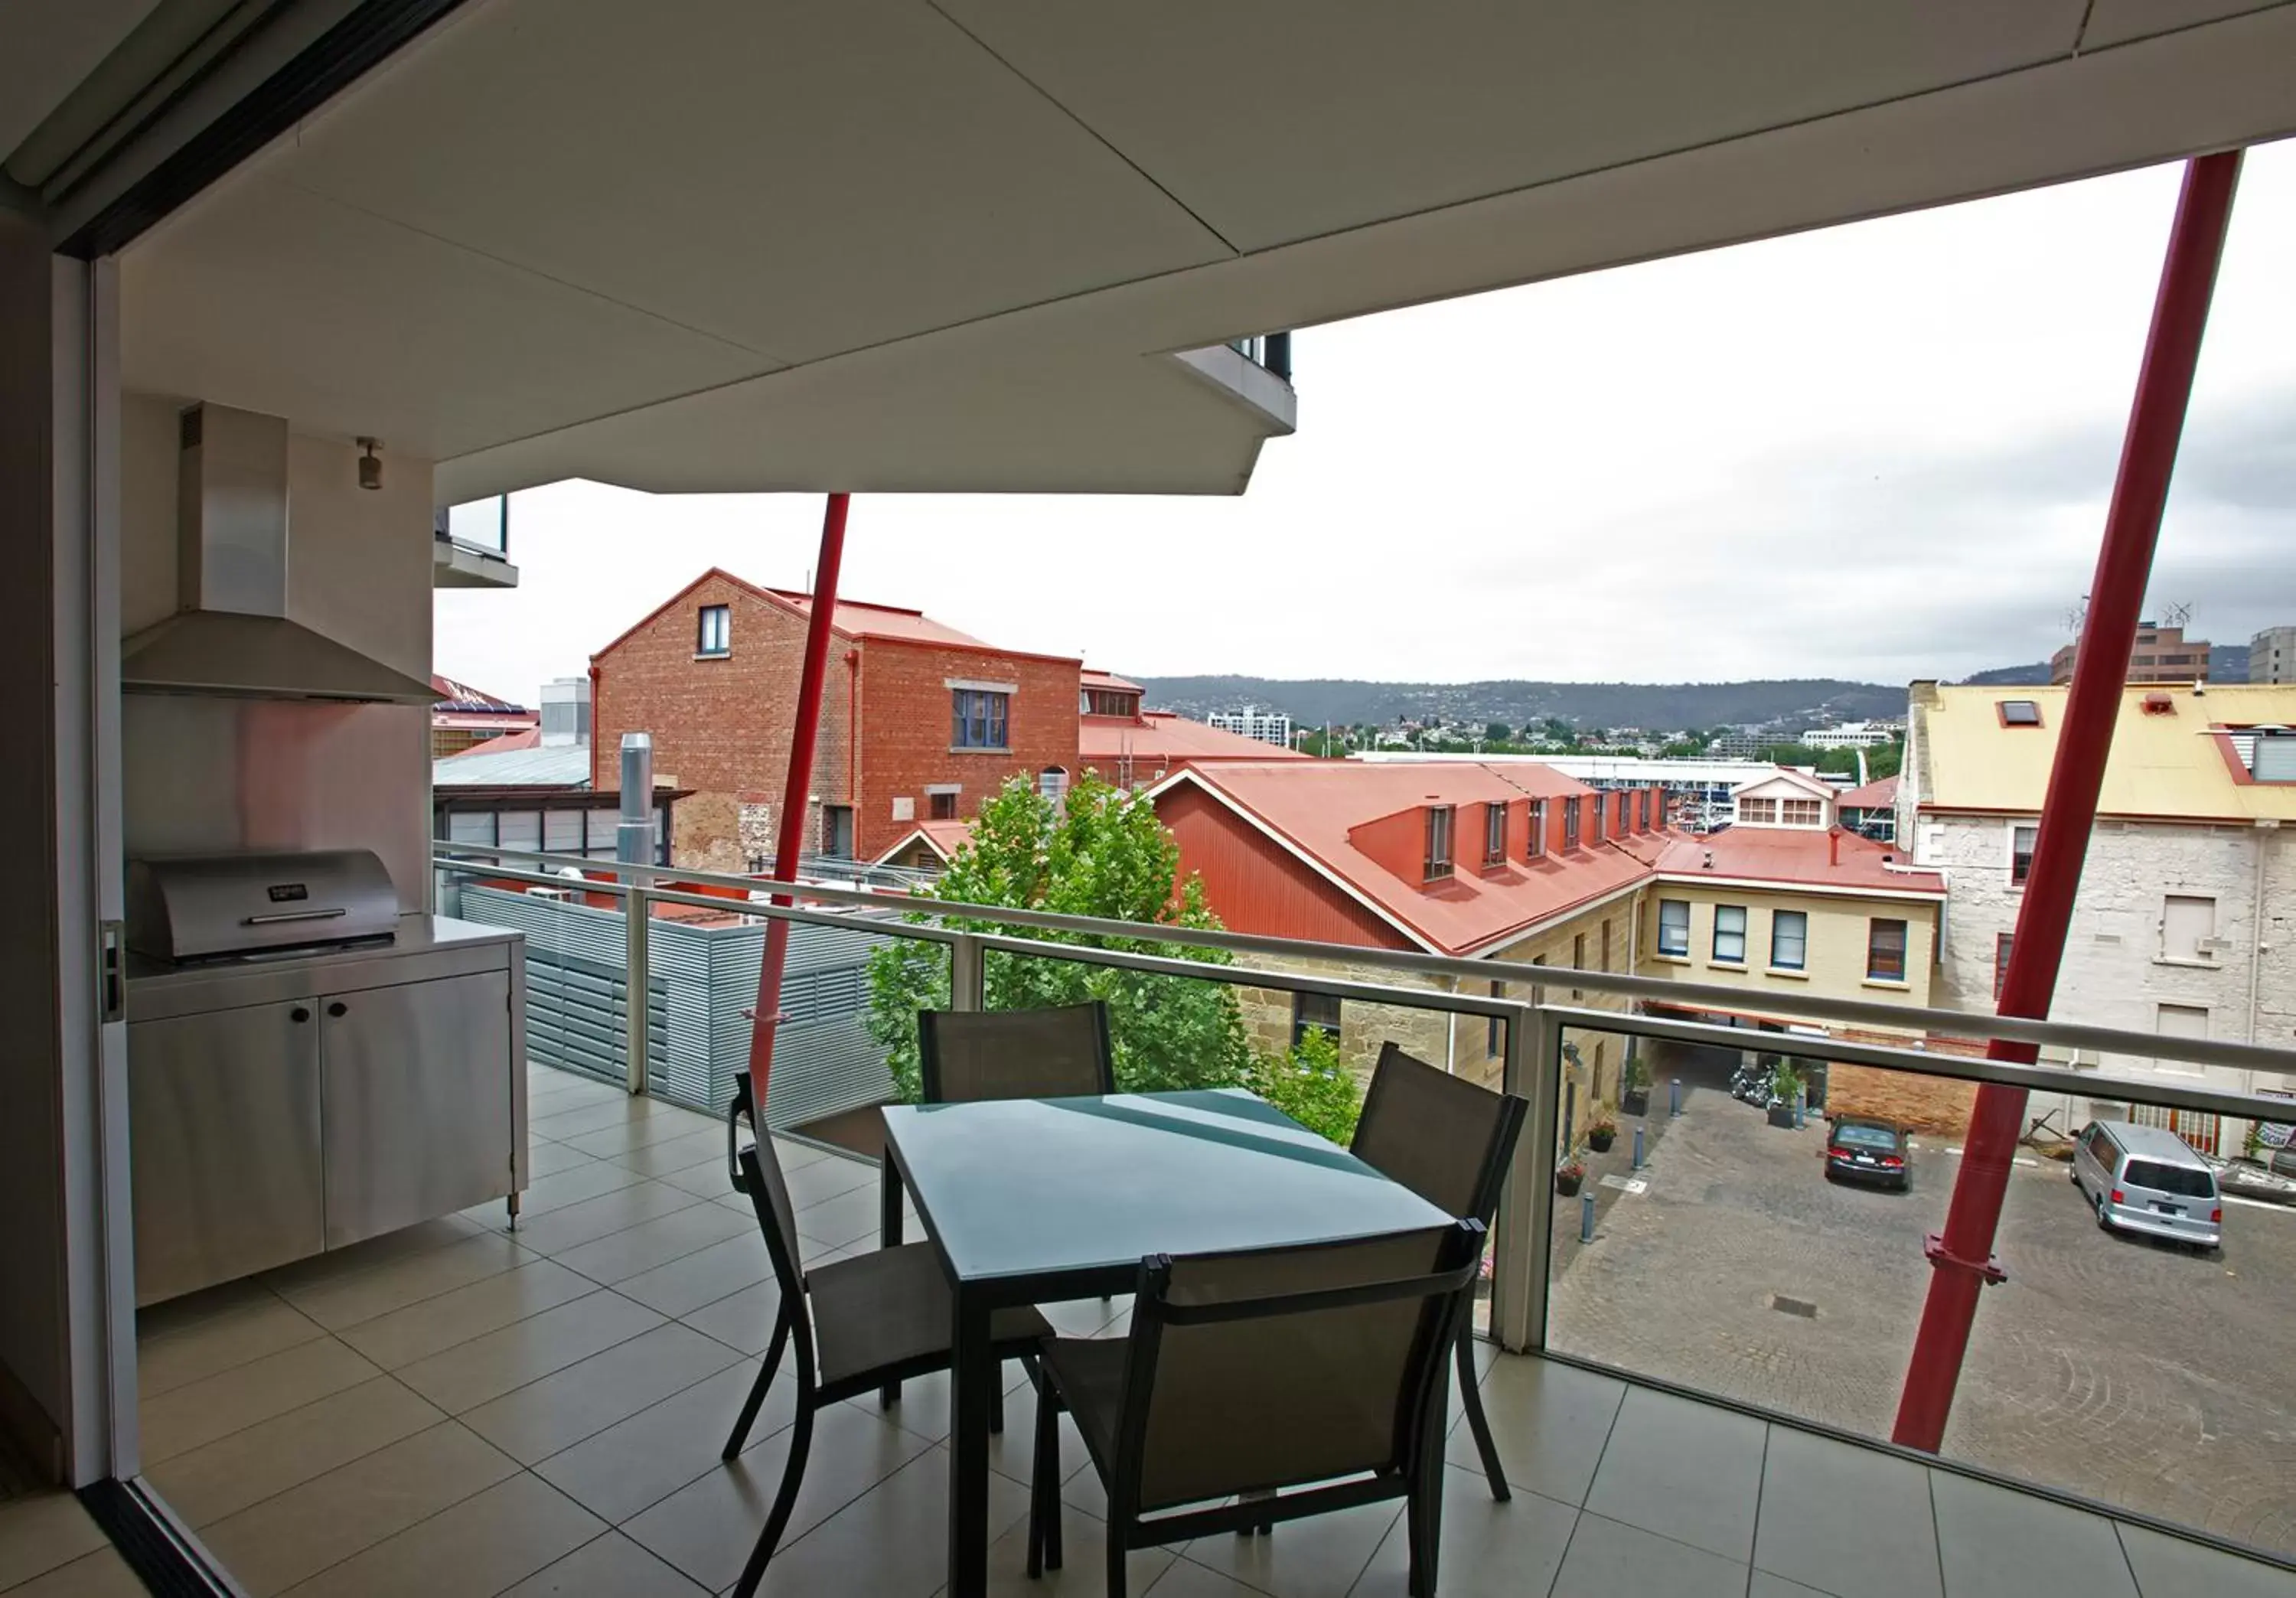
1570, 823
1110, 701
1495, 823
2021, 713
1535, 844
1437, 863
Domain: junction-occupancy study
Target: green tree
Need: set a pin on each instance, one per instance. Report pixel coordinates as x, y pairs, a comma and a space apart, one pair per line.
1884, 761
1101, 853
1495, 731
1311, 1085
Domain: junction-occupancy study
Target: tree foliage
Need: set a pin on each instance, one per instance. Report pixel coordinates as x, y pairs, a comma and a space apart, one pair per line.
1101, 852
1311, 1085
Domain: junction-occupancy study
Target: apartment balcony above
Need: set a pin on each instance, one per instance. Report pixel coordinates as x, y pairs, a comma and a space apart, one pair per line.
1254, 372
470, 545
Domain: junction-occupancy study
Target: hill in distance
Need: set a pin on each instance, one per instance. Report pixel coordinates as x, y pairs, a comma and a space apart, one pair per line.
2227, 663
1653, 707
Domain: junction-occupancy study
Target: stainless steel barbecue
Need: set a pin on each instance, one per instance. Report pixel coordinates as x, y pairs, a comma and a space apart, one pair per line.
199, 908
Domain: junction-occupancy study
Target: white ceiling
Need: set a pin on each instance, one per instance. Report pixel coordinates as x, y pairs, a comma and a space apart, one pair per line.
878, 245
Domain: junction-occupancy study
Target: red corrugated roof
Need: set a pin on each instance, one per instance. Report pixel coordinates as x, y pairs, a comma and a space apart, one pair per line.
1880, 794
1803, 856
945, 836
525, 738
1313, 804
1108, 679
470, 721
461, 696
1160, 741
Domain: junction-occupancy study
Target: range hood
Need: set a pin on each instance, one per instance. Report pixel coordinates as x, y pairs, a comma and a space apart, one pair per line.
229, 634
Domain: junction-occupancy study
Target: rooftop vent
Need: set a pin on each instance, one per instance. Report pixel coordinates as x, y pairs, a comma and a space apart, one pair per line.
2160, 704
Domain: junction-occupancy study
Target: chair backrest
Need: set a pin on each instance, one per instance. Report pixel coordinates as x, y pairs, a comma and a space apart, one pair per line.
1441, 1135
970, 1055
1273, 1368
760, 1170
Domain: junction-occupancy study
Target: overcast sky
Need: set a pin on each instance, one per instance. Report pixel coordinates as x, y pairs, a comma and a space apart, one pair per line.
1878, 452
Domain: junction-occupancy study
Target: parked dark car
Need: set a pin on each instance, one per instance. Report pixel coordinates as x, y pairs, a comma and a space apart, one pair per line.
1861, 1149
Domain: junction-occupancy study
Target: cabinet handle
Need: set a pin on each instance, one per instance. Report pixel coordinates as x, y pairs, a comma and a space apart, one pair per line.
338, 1008
298, 1014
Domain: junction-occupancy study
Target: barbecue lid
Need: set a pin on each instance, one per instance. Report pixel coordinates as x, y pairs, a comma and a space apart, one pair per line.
189, 907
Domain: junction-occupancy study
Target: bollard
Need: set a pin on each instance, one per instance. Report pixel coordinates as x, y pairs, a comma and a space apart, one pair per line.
1800, 1108
1586, 1218
1673, 1097
1638, 1145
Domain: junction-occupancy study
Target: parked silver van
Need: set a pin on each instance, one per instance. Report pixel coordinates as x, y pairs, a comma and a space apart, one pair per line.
2146, 1179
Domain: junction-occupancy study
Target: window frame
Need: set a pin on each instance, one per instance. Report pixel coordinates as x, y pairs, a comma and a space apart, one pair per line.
1494, 1032
703, 649
1436, 862
1801, 813
1739, 933
1625, 820
1495, 830
1683, 951
1874, 948
1802, 939
1578, 959
1569, 823
989, 710
2020, 862
1763, 811
2004, 943
2033, 706
1642, 810
1534, 847
1301, 1020
940, 807
2196, 955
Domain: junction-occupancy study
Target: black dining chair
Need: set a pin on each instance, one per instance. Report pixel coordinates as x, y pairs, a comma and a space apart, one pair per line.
964, 1055
1309, 1378
855, 1323
1449, 1140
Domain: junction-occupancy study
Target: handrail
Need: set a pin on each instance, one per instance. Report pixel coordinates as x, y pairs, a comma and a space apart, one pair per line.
1955, 1023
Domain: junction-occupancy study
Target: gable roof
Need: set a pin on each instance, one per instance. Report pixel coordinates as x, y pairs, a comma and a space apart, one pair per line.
2176, 765
1879, 794
1110, 680
1311, 806
850, 618
944, 838
1785, 776
461, 696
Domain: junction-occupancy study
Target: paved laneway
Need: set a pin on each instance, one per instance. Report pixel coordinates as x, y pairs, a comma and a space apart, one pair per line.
2141, 1375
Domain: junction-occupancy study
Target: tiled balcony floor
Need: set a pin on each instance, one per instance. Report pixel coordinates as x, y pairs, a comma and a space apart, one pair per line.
459, 1410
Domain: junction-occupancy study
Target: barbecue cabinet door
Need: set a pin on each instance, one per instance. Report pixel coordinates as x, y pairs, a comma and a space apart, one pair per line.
418, 1101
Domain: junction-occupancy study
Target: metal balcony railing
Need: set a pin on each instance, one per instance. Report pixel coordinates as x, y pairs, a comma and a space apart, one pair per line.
1270, 350
1532, 1034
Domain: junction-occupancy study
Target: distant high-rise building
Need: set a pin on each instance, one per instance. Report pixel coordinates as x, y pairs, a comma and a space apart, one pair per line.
1265, 727
2162, 654
2272, 656
1735, 746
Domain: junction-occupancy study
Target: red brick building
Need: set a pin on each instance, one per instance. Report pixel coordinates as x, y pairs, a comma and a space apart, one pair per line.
1136, 749
919, 721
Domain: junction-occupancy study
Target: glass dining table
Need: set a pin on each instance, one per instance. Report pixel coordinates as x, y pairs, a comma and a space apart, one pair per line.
1040, 1200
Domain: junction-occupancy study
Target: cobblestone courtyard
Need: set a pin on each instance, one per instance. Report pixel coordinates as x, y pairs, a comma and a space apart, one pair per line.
2143, 1376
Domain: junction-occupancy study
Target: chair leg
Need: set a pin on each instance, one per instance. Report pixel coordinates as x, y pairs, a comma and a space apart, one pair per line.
784, 1503
1044, 1486
1116, 1552
757, 1398
1471, 1398
996, 1403
1419, 1582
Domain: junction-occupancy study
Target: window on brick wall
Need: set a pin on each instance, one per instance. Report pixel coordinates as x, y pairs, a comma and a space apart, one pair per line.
714, 635
1315, 1011
977, 719
940, 807
1495, 1034
1606, 945
1578, 959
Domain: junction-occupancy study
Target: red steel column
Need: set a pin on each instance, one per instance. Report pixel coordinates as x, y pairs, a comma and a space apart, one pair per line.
1961, 1260
791, 841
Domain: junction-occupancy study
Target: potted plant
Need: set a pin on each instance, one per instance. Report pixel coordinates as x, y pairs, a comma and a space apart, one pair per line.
1784, 1083
1569, 1176
1601, 1134
1635, 1098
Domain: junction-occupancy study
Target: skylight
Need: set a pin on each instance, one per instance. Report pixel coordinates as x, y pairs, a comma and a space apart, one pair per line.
2021, 713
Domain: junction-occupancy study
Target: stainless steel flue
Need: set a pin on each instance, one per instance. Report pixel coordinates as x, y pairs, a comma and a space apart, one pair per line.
633, 839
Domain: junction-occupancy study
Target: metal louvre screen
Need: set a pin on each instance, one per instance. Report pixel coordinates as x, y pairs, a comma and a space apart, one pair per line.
700, 980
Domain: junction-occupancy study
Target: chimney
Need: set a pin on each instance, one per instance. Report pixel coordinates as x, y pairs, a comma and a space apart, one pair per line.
1833, 845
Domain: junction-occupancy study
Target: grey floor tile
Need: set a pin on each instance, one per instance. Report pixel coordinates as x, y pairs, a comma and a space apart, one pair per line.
1301, 1559
556, 1231
1608, 1558
572, 1185
1186, 1578
1686, 1471
639, 1461
618, 1110
702, 1277
743, 1320
1995, 1543
608, 1567
636, 1250
667, 1124
1845, 1519
824, 1179
234, 1472
847, 1220
287, 1280
1550, 1421
470, 1373
547, 1158
705, 1145
43, 1532
346, 1301
294, 1536
898, 1531
200, 1411
247, 1330
554, 1413
436, 1324
1766, 1585
490, 1540
1490, 1550
705, 1529
2169, 1566
101, 1573
162, 1320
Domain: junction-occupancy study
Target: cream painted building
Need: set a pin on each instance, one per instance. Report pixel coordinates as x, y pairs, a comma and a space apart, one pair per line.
2186, 918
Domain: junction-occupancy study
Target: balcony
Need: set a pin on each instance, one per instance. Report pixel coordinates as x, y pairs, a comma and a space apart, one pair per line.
470, 545
1707, 1353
